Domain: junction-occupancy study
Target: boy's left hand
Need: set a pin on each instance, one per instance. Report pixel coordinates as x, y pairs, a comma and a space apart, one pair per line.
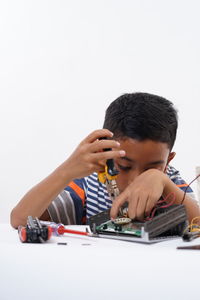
142, 194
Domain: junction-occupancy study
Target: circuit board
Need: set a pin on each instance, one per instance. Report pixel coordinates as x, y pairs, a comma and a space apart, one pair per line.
112, 227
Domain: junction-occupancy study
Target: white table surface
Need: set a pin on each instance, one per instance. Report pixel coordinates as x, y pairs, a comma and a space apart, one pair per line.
96, 268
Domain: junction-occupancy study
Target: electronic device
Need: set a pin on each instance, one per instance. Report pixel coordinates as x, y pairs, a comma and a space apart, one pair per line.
167, 223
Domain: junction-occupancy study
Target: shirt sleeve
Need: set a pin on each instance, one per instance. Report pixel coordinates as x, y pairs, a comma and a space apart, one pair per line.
69, 206
174, 175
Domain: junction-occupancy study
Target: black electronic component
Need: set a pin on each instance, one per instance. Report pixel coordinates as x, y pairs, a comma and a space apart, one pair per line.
34, 232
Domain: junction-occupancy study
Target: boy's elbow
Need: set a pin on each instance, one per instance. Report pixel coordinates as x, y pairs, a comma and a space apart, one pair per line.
15, 220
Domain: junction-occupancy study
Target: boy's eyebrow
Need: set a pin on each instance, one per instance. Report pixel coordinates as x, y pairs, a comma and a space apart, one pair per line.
157, 162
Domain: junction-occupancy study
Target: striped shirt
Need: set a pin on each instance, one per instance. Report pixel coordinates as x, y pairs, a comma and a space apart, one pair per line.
85, 197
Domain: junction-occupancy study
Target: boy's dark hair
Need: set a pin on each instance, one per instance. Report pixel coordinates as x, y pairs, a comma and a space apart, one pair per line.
142, 116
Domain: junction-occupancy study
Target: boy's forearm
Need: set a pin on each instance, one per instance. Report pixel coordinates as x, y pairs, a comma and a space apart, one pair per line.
36, 201
87, 158
191, 205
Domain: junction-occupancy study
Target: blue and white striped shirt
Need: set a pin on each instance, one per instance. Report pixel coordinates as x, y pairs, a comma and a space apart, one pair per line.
86, 197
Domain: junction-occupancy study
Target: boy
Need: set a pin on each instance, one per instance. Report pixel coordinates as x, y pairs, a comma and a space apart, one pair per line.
141, 130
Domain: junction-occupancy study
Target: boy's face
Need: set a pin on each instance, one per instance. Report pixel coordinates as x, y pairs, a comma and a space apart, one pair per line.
140, 156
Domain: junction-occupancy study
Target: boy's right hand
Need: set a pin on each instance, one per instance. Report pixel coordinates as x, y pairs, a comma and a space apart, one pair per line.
89, 156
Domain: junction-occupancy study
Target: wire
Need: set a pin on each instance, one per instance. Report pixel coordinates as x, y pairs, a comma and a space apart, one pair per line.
158, 205
188, 187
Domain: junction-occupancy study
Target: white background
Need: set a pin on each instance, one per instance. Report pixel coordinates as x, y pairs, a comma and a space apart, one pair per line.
63, 62
96, 268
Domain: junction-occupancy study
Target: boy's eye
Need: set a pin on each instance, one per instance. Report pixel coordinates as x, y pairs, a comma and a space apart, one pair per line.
123, 167
157, 168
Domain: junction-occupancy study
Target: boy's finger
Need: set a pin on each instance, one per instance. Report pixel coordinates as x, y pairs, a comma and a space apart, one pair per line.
132, 207
150, 205
96, 135
100, 145
103, 156
140, 210
117, 203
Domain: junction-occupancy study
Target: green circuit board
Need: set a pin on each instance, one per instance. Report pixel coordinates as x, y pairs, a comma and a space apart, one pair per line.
110, 227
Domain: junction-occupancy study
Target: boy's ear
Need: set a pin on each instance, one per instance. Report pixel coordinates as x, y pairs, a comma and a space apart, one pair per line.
170, 157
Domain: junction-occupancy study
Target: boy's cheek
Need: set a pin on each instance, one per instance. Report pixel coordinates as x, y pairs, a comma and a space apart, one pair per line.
122, 183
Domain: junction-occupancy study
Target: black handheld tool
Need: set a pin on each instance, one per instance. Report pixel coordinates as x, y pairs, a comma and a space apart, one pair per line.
110, 172
109, 175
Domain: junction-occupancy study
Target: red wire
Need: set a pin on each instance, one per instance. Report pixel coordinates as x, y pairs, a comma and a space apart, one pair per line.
152, 213
188, 187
